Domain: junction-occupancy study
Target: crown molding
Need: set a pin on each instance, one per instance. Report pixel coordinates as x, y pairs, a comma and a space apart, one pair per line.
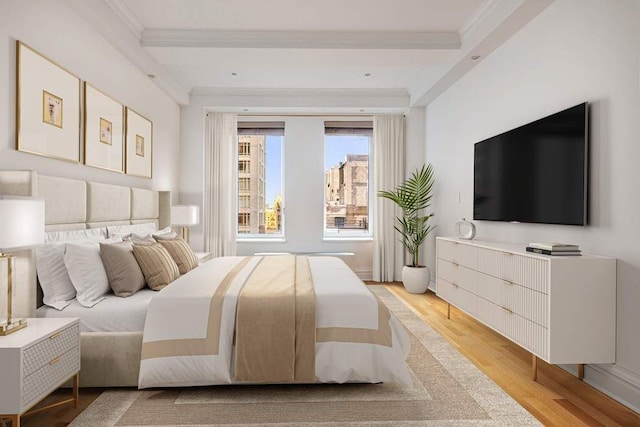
301, 39
127, 17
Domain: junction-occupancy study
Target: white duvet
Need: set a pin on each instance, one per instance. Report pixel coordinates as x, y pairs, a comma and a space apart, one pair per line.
178, 317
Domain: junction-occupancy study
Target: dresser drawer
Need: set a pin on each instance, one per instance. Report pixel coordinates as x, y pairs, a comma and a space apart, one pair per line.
41, 353
458, 253
458, 275
530, 304
457, 296
49, 377
527, 271
523, 332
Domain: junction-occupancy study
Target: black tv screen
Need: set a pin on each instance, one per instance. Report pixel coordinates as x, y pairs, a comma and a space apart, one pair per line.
536, 173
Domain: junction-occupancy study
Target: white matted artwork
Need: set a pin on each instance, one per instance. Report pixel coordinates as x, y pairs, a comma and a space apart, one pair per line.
48, 107
103, 130
139, 144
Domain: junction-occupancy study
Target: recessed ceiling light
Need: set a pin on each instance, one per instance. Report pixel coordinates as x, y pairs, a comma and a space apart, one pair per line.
151, 76
234, 74
245, 109
361, 111
367, 74
475, 57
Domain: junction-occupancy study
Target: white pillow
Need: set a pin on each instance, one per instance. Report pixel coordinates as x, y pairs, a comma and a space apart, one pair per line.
65, 236
86, 271
57, 289
123, 230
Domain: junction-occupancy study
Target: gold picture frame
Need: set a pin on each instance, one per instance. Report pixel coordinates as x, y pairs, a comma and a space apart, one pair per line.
138, 144
47, 107
103, 130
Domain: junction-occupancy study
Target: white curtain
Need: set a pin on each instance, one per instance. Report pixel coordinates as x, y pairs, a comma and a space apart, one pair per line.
389, 171
220, 183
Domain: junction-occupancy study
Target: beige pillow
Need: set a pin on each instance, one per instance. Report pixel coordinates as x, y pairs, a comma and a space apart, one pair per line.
123, 271
181, 253
158, 267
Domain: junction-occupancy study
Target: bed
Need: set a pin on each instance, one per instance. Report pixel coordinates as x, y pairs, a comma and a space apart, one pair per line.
123, 339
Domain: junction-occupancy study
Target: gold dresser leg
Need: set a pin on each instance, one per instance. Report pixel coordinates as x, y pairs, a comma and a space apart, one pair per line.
448, 311
534, 367
581, 371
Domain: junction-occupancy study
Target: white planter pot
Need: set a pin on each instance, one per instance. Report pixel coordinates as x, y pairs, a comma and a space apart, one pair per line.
415, 279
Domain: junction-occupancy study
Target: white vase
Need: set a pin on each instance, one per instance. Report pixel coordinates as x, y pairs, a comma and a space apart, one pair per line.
415, 279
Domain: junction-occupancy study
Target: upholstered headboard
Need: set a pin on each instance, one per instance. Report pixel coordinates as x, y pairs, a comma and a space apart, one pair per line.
72, 204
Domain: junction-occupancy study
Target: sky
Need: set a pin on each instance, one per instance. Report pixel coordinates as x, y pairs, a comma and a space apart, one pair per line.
336, 148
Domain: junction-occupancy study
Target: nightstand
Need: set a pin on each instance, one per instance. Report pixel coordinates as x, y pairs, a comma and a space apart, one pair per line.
34, 362
203, 256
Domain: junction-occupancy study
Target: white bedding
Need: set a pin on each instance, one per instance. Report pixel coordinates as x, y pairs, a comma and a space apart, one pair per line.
113, 314
342, 302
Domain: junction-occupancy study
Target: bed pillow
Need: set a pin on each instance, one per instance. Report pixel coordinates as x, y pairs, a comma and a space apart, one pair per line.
125, 230
158, 267
86, 271
123, 272
57, 289
181, 253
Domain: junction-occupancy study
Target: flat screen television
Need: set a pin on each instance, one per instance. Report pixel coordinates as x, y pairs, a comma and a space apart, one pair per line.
536, 173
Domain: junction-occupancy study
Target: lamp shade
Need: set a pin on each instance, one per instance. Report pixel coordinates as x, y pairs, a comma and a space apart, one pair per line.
21, 223
185, 215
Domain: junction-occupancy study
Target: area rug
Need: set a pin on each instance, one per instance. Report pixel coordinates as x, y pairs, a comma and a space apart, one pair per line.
448, 391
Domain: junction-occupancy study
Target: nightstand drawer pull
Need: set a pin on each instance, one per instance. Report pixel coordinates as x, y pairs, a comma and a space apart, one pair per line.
54, 336
54, 361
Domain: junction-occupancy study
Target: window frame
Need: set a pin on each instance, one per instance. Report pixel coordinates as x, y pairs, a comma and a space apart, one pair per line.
328, 235
263, 129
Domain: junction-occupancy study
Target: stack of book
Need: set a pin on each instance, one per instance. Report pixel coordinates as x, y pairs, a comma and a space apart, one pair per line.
554, 249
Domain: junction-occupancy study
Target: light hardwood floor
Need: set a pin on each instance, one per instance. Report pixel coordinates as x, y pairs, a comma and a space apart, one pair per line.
556, 399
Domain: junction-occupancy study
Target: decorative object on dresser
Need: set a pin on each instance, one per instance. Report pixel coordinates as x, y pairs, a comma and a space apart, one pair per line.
413, 196
185, 216
562, 310
35, 362
554, 249
21, 228
465, 229
48, 107
103, 130
138, 144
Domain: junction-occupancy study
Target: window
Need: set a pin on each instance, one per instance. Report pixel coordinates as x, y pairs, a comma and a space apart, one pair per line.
260, 201
347, 175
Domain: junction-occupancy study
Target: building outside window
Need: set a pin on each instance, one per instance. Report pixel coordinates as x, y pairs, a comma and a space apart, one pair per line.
260, 201
347, 175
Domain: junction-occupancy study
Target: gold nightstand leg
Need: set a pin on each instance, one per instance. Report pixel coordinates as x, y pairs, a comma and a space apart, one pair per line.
76, 392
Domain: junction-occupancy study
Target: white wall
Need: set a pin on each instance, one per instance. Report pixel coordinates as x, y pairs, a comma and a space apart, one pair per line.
574, 51
304, 169
55, 30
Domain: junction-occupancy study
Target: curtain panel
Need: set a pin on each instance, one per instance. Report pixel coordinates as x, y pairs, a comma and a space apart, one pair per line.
220, 186
389, 171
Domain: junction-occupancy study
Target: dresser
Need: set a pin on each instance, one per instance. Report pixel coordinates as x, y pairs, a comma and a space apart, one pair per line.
562, 309
35, 361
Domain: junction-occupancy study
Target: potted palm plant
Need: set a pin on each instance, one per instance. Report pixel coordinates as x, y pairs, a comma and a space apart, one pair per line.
413, 196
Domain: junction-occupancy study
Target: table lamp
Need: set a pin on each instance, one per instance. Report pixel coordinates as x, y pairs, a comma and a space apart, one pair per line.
21, 228
185, 216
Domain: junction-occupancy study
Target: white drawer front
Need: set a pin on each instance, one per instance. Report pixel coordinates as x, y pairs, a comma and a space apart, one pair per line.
39, 354
457, 296
47, 378
523, 332
458, 275
526, 271
459, 253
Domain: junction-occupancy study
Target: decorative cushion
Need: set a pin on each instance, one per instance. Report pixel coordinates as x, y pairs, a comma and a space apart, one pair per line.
123, 271
86, 271
158, 267
181, 253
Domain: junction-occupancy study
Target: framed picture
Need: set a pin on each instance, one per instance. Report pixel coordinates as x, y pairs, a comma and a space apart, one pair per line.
139, 144
47, 107
103, 130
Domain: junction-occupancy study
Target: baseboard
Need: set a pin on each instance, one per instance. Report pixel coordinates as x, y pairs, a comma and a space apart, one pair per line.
364, 274
432, 286
618, 383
